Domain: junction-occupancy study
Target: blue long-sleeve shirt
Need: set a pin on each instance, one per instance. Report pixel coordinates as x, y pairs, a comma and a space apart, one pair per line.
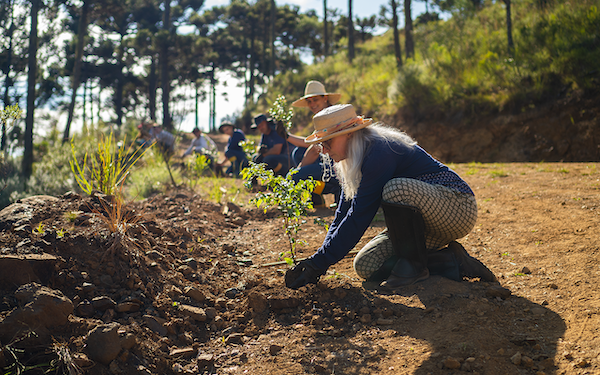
233, 144
384, 161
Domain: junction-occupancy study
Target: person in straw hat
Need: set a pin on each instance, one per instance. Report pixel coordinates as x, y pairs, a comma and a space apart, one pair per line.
426, 206
306, 157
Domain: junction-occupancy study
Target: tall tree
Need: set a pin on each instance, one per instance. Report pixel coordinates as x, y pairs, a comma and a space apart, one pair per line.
409, 44
397, 49
27, 162
511, 46
350, 32
164, 65
76, 75
325, 32
272, 41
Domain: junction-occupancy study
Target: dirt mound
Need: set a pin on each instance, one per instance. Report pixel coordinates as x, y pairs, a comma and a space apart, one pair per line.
565, 130
191, 287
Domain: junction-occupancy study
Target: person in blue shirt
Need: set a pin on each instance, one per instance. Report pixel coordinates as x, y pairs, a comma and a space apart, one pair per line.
233, 151
426, 206
273, 149
306, 157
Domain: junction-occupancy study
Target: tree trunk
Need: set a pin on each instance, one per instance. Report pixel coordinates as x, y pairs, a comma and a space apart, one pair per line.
251, 67
325, 33
272, 63
350, 33
152, 84
409, 44
511, 46
8, 80
118, 98
31, 76
76, 75
397, 48
213, 94
164, 69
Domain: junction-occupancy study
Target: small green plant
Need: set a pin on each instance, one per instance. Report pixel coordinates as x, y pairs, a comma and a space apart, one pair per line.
292, 199
198, 167
279, 112
108, 167
40, 229
60, 233
249, 147
71, 216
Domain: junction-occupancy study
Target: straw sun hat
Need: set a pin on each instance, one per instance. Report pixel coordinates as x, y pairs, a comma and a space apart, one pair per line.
336, 120
316, 88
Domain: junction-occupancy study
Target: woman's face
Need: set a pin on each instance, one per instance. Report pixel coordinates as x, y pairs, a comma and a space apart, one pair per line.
336, 147
317, 103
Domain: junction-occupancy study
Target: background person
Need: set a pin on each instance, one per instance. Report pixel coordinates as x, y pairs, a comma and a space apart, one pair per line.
164, 140
426, 205
233, 151
201, 144
273, 149
307, 156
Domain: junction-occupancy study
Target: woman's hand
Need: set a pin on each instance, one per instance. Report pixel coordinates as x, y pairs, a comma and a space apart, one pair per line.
305, 272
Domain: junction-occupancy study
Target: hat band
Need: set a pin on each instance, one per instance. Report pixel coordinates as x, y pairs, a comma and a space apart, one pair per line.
341, 126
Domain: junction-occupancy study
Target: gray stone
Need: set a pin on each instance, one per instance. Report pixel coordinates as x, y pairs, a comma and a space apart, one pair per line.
103, 303
103, 343
156, 324
23, 269
195, 294
42, 309
193, 312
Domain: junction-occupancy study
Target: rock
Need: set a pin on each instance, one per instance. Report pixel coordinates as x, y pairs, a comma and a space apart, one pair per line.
205, 360
211, 313
234, 338
497, 291
232, 292
156, 324
516, 359
129, 341
182, 352
526, 361
274, 349
283, 302
452, 363
85, 309
365, 318
103, 343
127, 307
525, 270
42, 307
103, 303
385, 322
193, 312
257, 301
23, 269
82, 360
195, 294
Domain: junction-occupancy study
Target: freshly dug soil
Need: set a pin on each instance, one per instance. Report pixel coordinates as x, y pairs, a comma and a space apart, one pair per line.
192, 287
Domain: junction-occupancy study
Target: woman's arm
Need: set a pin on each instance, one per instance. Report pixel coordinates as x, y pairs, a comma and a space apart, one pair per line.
297, 141
310, 156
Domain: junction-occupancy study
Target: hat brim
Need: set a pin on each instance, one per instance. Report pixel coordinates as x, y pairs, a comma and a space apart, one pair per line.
224, 125
321, 136
331, 97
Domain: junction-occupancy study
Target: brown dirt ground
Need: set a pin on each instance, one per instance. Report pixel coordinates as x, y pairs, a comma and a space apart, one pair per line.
537, 231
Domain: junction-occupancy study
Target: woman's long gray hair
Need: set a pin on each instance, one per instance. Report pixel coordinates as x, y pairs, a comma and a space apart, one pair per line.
349, 170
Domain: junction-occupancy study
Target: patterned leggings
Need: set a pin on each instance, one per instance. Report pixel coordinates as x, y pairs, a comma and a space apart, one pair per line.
448, 215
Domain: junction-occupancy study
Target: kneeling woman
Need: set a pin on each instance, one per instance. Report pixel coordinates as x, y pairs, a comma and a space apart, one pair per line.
426, 206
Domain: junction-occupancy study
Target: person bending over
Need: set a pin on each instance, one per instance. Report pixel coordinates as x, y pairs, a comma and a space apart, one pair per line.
426, 206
